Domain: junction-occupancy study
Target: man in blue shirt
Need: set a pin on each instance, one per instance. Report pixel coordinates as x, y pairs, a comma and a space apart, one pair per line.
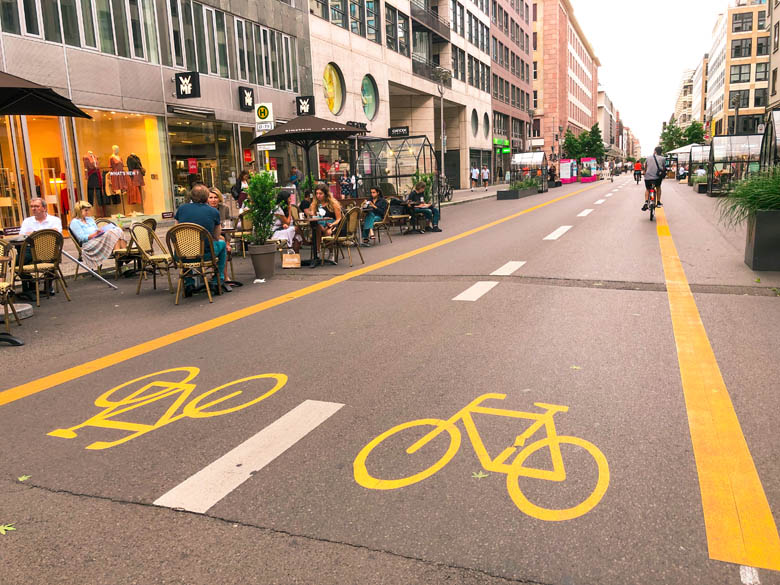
204, 215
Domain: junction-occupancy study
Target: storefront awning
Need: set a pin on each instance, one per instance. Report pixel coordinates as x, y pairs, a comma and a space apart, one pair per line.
19, 97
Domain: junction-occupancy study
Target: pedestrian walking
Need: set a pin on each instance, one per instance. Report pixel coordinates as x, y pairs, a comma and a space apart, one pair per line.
474, 176
485, 177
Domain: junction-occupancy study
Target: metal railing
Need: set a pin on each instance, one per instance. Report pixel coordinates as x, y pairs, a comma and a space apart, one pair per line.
427, 17
428, 69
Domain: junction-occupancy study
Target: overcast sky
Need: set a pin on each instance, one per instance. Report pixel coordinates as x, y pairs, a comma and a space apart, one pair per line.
630, 39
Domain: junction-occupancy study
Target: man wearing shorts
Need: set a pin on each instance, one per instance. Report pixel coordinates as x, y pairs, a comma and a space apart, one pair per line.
655, 170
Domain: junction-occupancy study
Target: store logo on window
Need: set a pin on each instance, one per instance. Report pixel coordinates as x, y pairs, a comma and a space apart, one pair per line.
246, 99
187, 85
304, 105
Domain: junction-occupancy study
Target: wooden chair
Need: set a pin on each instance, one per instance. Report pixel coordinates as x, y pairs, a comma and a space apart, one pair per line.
7, 283
383, 224
145, 240
351, 236
46, 250
188, 242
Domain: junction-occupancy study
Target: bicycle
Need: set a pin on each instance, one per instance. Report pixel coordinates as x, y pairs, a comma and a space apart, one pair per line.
514, 470
161, 389
651, 202
637, 176
445, 189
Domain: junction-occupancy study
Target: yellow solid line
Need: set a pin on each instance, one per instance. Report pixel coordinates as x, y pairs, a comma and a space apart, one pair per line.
739, 523
46, 382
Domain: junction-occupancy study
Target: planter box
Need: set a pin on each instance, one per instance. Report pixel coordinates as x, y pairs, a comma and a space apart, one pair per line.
700, 187
516, 193
263, 259
588, 179
762, 248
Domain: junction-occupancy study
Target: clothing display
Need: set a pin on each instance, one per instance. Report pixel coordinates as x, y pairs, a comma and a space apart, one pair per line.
117, 173
95, 193
135, 179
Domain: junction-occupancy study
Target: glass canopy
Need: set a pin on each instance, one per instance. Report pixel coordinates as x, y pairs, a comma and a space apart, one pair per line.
393, 163
732, 158
770, 149
527, 165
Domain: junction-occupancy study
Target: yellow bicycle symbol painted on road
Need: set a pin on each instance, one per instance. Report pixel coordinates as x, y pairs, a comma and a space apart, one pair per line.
514, 470
175, 384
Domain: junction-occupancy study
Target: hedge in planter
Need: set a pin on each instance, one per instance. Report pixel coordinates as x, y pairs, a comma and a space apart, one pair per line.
260, 205
756, 200
519, 189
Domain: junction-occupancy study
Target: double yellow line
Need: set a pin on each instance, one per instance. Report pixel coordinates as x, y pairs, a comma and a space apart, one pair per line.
52, 380
739, 523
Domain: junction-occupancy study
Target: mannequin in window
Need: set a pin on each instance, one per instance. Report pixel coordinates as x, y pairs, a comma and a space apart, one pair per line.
118, 175
135, 180
95, 192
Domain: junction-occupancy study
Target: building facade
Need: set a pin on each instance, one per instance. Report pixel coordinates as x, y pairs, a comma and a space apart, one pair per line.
607, 120
739, 69
699, 96
171, 87
565, 75
510, 31
683, 107
377, 63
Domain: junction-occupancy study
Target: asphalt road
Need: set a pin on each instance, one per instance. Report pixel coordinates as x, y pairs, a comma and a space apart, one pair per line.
290, 486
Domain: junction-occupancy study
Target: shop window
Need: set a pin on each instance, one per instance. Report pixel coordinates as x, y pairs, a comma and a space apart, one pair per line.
373, 21
370, 97
333, 86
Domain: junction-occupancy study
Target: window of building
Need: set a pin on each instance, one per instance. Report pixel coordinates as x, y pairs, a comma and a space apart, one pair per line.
740, 73
741, 48
391, 27
761, 19
9, 17
495, 86
774, 81
320, 8
403, 34
373, 21
536, 98
760, 98
762, 46
370, 97
762, 71
357, 17
739, 98
742, 22
333, 87
536, 70
338, 13
526, 39
776, 37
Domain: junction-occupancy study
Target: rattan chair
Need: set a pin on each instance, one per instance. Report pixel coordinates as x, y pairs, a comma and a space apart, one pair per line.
45, 248
383, 224
121, 256
351, 236
7, 283
399, 220
151, 222
188, 242
244, 227
145, 240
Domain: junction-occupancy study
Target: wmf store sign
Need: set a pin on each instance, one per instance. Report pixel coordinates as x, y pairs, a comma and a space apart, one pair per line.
187, 85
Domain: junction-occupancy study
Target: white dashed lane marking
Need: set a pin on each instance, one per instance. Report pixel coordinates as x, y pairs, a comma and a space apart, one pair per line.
585, 213
208, 486
599, 202
475, 292
748, 575
559, 232
508, 269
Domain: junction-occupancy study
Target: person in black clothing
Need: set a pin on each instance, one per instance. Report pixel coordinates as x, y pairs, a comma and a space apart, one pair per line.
306, 201
375, 209
419, 206
239, 190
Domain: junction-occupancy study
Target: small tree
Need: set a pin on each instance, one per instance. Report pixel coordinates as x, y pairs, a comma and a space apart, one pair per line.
572, 147
260, 204
694, 134
672, 136
593, 144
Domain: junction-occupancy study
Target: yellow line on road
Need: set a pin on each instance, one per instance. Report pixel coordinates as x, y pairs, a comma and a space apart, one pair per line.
52, 380
739, 523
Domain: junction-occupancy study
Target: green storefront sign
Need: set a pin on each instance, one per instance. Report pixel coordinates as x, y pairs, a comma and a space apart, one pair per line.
500, 142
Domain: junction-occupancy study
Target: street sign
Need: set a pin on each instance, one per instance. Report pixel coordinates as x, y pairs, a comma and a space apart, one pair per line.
264, 126
398, 131
264, 112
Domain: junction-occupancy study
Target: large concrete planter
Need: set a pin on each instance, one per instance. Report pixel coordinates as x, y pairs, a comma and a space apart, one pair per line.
700, 187
589, 179
762, 248
516, 193
263, 259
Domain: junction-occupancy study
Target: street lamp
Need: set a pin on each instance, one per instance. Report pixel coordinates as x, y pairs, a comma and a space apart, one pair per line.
442, 75
531, 114
735, 104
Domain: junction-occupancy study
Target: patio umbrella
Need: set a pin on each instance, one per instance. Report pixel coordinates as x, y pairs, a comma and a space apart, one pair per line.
19, 97
306, 132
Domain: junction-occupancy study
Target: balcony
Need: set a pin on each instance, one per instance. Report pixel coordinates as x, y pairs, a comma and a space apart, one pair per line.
428, 18
428, 70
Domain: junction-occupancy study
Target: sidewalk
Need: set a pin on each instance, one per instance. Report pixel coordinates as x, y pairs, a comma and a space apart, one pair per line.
467, 195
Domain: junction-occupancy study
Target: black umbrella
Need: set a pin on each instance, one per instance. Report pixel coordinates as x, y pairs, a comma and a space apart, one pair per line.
19, 97
308, 131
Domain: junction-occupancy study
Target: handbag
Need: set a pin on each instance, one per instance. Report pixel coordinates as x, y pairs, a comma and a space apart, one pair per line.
291, 260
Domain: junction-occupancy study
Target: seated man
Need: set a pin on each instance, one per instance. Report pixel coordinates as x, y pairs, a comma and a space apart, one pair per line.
420, 207
39, 220
199, 212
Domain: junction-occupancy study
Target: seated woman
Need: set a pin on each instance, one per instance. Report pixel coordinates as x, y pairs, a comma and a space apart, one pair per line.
375, 210
284, 229
327, 208
216, 200
97, 244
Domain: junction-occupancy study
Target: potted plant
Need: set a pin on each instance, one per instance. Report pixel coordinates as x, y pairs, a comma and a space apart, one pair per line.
260, 205
699, 183
756, 200
519, 189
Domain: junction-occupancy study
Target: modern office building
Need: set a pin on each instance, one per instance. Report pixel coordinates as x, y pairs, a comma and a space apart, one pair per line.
565, 75
510, 32
171, 86
607, 120
739, 69
683, 112
376, 64
699, 95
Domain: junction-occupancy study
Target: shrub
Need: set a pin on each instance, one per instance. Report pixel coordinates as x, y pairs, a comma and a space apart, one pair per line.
757, 192
260, 205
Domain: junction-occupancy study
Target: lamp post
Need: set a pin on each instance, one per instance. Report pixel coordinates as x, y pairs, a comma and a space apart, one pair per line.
442, 76
531, 114
735, 104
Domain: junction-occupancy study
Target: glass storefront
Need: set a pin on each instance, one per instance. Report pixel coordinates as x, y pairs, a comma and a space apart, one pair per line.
123, 160
334, 166
11, 212
48, 164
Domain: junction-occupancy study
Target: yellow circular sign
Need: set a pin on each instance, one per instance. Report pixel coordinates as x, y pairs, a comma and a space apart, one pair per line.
262, 112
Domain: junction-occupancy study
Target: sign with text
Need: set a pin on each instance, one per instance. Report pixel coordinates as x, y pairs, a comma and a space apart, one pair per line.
304, 105
246, 99
398, 131
192, 166
167, 214
187, 84
247, 155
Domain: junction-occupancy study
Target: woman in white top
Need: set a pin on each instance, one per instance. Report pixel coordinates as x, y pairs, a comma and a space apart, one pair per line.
284, 229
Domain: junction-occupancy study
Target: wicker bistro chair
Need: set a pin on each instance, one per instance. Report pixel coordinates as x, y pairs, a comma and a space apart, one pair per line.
122, 256
244, 226
46, 250
393, 218
151, 222
188, 243
145, 240
383, 224
7, 283
351, 235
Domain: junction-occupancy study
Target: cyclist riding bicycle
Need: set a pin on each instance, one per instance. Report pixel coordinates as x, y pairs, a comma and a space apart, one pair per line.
637, 171
655, 171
